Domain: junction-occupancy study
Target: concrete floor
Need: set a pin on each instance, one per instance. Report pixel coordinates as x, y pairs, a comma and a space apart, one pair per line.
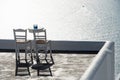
67, 67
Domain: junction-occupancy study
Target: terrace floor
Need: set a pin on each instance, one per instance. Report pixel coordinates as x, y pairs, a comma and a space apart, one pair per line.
67, 66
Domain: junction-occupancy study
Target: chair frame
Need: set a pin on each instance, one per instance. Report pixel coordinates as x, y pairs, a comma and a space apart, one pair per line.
21, 40
40, 40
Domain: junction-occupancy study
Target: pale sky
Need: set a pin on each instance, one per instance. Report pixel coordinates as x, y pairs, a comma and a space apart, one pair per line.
63, 19
26, 13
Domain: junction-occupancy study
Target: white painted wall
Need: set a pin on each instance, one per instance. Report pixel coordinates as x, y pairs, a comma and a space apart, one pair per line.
77, 45
102, 67
62, 45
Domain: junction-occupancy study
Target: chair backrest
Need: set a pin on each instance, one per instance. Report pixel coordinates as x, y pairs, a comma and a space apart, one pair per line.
40, 36
20, 35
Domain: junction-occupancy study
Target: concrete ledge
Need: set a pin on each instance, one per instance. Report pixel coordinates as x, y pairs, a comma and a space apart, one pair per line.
59, 46
55, 51
102, 67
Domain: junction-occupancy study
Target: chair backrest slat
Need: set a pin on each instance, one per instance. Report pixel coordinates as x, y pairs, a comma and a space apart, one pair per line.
40, 34
20, 34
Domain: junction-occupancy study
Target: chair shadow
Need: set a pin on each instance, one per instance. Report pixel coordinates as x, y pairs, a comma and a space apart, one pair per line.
23, 69
43, 69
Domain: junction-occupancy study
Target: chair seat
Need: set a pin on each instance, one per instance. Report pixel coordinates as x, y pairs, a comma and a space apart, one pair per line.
22, 41
41, 42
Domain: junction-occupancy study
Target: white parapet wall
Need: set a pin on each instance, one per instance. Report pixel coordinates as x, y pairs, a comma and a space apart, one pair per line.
102, 67
77, 45
61, 45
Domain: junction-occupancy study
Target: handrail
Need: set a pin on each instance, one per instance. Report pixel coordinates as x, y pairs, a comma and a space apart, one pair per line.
102, 67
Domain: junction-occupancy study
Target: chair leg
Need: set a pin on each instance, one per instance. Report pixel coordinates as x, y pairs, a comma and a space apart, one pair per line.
52, 60
31, 52
45, 55
31, 58
38, 60
38, 72
16, 70
51, 56
17, 60
50, 71
27, 65
28, 70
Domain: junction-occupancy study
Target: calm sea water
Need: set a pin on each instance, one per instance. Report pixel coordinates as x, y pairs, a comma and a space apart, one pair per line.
90, 20
78, 20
